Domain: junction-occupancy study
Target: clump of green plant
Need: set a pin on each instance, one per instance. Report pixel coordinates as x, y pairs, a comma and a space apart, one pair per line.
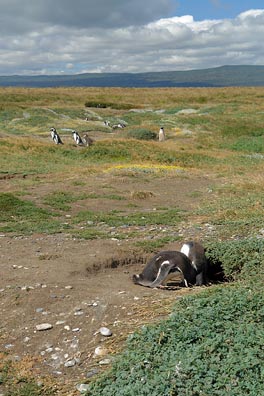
239, 259
115, 219
90, 233
141, 134
154, 245
61, 199
211, 345
253, 144
105, 104
22, 216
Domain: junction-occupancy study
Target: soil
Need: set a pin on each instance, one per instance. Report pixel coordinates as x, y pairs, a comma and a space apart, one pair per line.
77, 286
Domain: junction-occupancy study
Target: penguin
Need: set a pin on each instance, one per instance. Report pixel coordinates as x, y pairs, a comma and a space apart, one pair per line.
161, 135
196, 253
77, 138
55, 136
164, 264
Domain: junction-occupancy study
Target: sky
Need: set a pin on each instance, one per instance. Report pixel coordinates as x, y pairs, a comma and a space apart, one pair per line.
46, 37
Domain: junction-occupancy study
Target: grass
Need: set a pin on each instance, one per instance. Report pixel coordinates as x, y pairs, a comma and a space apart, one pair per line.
117, 218
17, 380
60, 200
236, 209
20, 216
154, 245
203, 341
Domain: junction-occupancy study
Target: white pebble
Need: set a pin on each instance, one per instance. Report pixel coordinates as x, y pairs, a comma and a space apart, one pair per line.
44, 326
105, 362
70, 363
82, 388
60, 322
100, 351
105, 332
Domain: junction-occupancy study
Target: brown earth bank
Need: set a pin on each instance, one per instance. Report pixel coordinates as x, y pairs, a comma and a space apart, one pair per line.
75, 286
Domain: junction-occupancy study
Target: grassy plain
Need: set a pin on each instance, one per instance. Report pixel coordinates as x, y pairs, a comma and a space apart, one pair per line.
211, 131
214, 134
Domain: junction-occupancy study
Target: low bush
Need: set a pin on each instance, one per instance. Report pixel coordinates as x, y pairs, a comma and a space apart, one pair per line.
239, 259
141, 134
104, 105
211, 345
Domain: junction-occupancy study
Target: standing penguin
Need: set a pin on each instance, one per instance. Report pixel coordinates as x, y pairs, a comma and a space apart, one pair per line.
55, 136
196, 254
161, 135
77, 138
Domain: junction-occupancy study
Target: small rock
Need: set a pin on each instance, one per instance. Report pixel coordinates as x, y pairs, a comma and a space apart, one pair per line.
26, 339
100, 351
76, 329
92, 373
57, 372
67, 328
8, 346
105, 362
70, 363
82, 388
44, 326
60, 322
27, 288
78, 313
69, 287
105, 332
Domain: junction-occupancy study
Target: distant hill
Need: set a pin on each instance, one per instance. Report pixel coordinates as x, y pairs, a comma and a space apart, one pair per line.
224, 76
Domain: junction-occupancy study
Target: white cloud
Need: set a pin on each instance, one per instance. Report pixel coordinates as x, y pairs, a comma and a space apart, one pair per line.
177, 43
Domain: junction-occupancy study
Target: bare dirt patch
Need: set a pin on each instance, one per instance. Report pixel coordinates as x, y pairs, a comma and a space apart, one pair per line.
77, 286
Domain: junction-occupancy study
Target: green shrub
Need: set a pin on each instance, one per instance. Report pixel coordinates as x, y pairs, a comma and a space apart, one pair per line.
212, 345
240, 258
104, 105
253, 144
142, 134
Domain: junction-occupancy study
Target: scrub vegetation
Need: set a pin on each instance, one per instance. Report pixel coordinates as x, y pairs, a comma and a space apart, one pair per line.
212, 342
